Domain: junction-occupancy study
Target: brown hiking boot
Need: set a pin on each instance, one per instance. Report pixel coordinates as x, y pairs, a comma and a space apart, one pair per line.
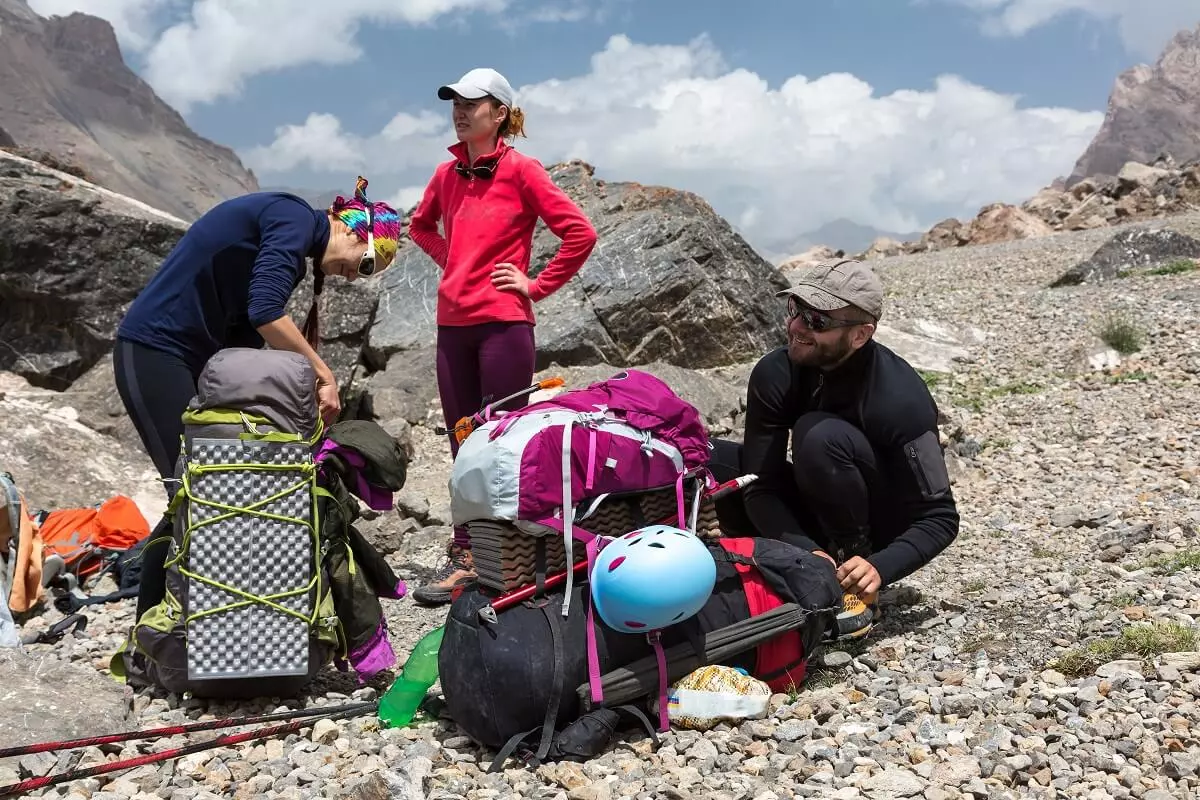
858, 616
458, 570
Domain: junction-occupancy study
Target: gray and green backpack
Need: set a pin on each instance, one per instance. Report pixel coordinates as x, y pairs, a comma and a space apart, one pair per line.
247, 609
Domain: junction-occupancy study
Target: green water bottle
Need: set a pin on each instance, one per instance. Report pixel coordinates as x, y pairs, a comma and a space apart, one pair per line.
399, 703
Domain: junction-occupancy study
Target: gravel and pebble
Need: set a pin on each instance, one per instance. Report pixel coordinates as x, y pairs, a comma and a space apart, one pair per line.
1050, 653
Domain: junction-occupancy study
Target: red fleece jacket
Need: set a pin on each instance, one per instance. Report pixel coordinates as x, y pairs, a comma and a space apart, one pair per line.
489, 221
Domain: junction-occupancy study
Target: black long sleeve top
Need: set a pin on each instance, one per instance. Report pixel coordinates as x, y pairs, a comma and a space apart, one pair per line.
882, 395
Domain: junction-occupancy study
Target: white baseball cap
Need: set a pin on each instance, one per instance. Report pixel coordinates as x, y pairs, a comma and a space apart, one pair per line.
479, 83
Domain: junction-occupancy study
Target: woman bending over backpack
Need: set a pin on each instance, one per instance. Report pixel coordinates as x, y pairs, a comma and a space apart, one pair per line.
227, 283
488, 199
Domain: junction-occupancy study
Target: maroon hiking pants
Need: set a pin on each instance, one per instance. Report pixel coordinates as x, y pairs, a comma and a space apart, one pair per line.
478, 364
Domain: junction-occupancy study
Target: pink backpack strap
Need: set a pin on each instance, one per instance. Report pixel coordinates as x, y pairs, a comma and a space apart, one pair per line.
664, 722
593, 655
591, 461
679, 501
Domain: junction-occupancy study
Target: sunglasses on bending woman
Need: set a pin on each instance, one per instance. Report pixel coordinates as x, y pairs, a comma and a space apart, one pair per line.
817, 321
366, 264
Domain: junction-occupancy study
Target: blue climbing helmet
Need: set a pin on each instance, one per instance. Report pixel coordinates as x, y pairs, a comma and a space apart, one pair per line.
651, 578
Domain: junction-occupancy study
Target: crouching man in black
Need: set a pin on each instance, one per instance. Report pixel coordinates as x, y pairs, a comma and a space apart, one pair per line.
866, 486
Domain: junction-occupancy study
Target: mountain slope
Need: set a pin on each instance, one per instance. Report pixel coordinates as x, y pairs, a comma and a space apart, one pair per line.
852, 237
66, 91
1152, 111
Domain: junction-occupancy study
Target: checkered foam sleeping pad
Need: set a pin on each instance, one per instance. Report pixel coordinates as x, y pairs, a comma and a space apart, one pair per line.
255, 554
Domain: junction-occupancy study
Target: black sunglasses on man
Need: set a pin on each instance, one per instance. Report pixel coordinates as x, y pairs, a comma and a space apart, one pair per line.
817, 321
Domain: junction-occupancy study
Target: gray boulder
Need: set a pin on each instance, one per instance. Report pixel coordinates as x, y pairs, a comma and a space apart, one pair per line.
72, 258
61, 462
1136, 249
95, 398
47, 699
405, 390
346, 311
405, 318
669, 280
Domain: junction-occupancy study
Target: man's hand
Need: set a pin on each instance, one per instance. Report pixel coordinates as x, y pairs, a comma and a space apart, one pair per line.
328, 398
859, 576
507, 277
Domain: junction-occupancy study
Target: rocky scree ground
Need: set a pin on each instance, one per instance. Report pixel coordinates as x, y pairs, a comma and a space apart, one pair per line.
1050, 652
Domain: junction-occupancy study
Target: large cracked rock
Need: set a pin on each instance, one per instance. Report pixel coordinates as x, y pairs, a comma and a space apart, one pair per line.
669, 281
72, 258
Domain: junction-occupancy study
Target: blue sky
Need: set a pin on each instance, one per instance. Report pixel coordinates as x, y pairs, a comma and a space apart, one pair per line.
887, 43
910, 111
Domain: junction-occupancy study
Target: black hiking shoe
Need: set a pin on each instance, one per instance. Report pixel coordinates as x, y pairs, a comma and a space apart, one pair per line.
459, 570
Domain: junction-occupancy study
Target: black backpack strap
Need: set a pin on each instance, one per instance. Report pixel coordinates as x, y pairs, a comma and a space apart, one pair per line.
556, 636
70, 603
641, 717
539, 566
576, 750
509, 747
548, 722
720, 554
691, 630
58, 630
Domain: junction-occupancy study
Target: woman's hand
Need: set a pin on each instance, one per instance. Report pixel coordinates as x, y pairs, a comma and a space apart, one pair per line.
508, 278
282, 334
328, 398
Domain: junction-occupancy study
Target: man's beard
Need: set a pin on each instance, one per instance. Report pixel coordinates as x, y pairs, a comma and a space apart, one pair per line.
818, 354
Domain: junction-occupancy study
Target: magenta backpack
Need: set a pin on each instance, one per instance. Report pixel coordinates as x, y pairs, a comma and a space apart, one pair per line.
534, 466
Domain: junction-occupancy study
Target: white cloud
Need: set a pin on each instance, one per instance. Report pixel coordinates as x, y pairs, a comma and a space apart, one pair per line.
406, 198
318, 140
778, 161
1145, 26
320, 143
219, 44
226, 41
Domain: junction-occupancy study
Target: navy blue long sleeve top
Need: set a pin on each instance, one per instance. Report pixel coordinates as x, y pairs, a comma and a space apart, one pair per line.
233, 271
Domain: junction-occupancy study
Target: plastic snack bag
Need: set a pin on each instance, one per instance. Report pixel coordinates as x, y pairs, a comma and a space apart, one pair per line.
714, 694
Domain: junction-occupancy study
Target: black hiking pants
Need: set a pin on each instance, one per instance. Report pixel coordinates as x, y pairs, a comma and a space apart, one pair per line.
834, 489
155, 387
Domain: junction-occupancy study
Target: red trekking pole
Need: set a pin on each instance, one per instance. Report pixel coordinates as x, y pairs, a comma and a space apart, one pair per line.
176, 730
31, 784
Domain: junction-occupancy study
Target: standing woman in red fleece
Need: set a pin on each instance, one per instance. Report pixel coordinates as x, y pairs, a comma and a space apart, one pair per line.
488, 199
